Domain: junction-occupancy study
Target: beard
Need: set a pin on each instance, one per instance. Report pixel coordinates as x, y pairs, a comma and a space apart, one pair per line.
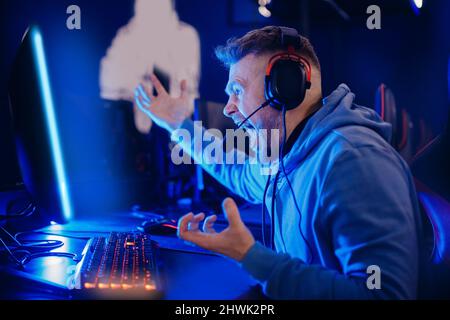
265, 137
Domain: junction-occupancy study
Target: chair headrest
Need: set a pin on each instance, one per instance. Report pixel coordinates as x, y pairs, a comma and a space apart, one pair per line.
386, 107
438, 211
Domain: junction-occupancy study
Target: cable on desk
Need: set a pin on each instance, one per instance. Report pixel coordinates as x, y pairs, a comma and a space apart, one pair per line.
42, 248
34, 244
55, 234
10, 253
28, 256
26, 212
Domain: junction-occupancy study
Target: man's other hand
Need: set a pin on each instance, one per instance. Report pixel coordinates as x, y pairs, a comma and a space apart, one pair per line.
233, 242
166, 111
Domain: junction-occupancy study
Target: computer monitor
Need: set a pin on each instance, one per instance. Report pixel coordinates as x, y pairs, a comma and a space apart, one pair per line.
36, 130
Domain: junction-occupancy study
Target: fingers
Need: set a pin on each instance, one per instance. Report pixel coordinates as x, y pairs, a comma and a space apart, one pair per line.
193, 224
145, 92
141, 105
231, 211
183, 224
158, 86
184, 89
187, 233
200, 239
208, 224
189, 222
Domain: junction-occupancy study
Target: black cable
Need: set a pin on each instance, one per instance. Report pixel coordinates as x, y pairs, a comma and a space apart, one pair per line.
10, 236
29, 205
28, 211
264, 212
42, 247
272, 226
56, 234
34, 244
292, 189
72, 231
264, 104
31, 256
10, 253
28, 256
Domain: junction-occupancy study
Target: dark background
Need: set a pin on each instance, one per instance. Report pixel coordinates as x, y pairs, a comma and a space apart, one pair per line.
410, 54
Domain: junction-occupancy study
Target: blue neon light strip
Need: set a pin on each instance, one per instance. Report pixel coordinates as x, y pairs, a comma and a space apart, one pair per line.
448, 79
55, 145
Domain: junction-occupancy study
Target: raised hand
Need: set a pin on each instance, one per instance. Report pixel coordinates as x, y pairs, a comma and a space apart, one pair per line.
166, 111
233, 242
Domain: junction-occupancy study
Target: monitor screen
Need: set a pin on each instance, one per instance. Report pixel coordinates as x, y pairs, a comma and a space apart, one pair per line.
36, 130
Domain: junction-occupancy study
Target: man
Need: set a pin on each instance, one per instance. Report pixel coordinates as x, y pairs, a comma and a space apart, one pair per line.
348, 207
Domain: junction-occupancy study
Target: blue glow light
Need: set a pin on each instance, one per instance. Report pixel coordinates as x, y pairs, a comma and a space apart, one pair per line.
418, 3
63, 188
448, 78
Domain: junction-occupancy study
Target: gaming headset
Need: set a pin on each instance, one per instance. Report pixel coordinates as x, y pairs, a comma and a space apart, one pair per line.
288, 75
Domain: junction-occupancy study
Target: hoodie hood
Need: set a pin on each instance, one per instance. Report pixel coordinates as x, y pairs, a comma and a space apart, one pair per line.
338, 111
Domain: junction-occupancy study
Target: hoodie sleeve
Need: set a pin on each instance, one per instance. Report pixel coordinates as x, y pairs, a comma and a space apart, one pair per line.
243, 178
368, 208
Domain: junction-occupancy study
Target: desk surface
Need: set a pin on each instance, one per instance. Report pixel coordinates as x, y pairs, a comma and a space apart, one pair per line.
190, 272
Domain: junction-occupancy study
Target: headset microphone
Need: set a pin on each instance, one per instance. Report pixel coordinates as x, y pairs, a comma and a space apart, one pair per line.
265, 103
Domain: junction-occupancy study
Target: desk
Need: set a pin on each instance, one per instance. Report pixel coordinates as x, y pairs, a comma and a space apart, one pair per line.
190, 272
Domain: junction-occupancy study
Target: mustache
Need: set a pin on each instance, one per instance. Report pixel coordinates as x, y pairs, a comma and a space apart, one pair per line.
240, 121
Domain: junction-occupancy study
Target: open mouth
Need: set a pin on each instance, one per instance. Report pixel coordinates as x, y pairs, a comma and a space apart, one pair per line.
246, 125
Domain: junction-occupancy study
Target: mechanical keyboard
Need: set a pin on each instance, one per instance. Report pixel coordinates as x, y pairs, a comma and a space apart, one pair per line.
122, 265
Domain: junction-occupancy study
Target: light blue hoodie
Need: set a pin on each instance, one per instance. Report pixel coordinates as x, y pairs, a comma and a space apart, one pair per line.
358, 209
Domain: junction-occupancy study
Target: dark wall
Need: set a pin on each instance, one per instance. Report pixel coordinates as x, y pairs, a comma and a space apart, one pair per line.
410, 54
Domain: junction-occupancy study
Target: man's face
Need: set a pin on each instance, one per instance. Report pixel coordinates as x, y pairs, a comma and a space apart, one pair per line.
245, 89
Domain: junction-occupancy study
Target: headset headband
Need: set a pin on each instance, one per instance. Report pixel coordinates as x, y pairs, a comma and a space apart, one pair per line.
288, 75
290, 38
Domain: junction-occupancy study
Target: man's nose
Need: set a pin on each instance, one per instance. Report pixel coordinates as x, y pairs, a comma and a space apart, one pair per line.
229, 109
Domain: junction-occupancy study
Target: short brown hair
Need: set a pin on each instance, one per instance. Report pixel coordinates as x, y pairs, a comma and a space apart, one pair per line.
261, 41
